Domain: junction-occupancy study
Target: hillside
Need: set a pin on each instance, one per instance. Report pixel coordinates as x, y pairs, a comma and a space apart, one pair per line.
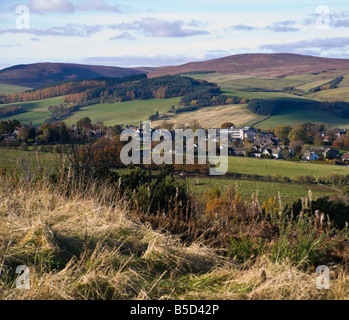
261, 65
40, 74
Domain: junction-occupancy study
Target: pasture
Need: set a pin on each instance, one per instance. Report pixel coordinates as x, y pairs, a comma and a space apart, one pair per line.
281, 167
289, 193
294, 116
37, 111
8, 89
127, 113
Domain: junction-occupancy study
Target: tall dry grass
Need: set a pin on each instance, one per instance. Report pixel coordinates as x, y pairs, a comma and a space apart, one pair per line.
85, 244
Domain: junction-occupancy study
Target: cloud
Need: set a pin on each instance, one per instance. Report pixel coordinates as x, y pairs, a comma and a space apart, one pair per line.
98, 5
65, 6
341, 23
123, 36
242, 27
141, 60
69, 30
158, 28
323, 44
41, 6
283, 26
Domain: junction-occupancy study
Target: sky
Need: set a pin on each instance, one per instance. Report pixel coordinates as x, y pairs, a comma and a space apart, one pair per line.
167, 32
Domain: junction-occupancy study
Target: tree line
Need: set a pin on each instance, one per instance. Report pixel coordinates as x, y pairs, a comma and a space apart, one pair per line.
272, 107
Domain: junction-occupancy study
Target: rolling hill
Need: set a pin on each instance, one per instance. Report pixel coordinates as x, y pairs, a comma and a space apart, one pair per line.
41, 74
260, 65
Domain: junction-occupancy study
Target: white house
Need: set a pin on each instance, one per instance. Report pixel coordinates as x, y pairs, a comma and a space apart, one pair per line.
311, 156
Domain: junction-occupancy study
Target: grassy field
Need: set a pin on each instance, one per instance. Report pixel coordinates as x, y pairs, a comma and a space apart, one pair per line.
130, 112
338, 94
12, 160
284, 168
289, 193
213, 117
8, 89
243, 81
37, 110
259, 95
308, 86
293, 116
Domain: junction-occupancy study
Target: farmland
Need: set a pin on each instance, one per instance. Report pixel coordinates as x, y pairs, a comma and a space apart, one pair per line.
129, 112
8, 89
293, 116
37, 111
289, 193
283, 168
213, 117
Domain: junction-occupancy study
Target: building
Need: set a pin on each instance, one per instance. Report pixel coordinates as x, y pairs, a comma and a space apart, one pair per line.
325, 152
242, 133
311, 156
276, 153
345, 157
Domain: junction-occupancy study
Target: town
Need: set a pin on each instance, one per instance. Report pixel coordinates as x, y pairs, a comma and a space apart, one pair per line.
302, 142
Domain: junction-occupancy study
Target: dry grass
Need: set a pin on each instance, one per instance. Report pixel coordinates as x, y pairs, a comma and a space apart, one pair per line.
213, 117
83, 247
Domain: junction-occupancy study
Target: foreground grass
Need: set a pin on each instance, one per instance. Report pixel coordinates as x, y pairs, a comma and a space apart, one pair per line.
83, 247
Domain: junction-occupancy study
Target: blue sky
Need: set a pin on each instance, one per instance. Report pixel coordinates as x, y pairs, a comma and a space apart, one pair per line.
163, 32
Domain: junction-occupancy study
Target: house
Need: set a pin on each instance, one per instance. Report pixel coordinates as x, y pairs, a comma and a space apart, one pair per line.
311, 156
238, 151
345, 157
325, 152
276, 153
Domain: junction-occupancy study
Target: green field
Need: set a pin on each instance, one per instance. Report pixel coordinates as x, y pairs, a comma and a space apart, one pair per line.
294, 116
289, 192
259, 95
8, 89
241, 81
37, 110
338, 94
130, 112
11, 160
284, 168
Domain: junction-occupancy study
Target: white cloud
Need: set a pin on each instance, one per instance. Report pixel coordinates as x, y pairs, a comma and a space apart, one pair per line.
98, 5
41, 6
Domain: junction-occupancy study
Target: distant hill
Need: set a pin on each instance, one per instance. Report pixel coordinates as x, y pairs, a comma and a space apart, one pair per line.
259, 65
40, 74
